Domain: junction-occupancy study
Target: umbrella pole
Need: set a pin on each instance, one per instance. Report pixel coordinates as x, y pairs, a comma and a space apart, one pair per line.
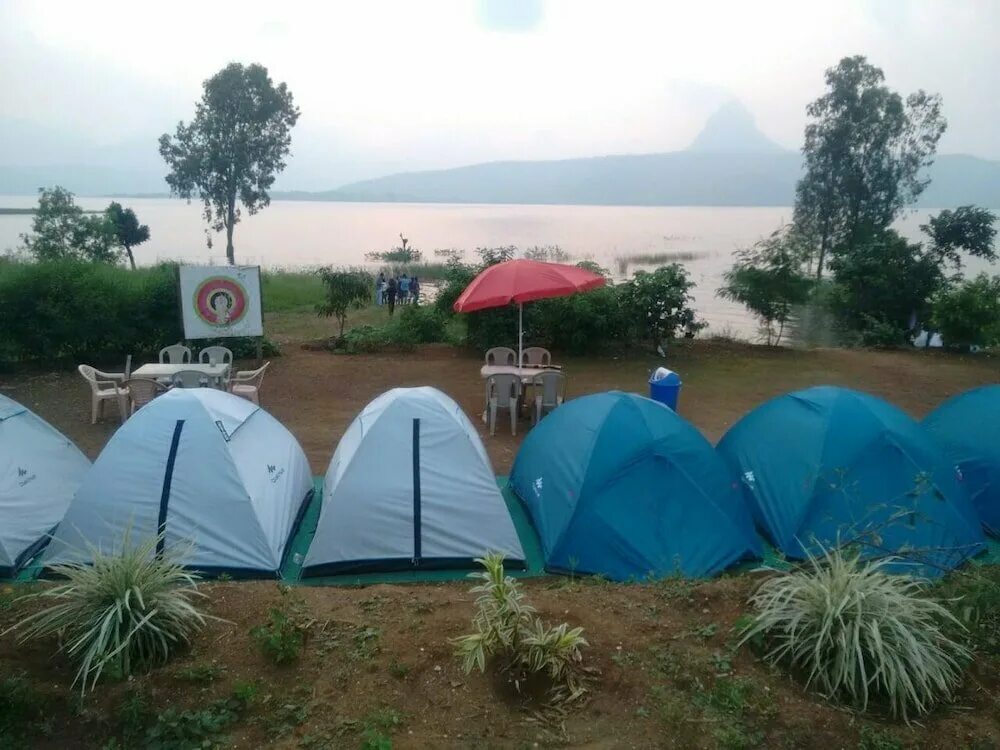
520, 334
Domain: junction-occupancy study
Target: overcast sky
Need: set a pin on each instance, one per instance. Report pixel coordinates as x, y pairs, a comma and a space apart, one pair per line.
391, 85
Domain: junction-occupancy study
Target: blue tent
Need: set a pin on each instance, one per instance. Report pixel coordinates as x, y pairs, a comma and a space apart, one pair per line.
968, 428
619, 485
828, 464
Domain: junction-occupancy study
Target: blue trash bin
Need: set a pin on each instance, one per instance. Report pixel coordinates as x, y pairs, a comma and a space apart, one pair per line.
665, 387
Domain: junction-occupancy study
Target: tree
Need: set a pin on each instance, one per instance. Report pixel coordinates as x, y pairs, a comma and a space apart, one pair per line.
234, 146
966, 229
345, 290
768, 279
968, 313
864, 151
657, 303
882, 288
61, 230
127, 230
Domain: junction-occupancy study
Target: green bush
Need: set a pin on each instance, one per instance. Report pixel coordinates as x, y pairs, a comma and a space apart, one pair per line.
509, 635
281, 638
412, 325
859, 634
129, 610
969, 313
86, 311
75, 312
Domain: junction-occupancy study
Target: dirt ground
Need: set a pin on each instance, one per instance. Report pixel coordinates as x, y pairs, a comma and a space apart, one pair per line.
378, 659
316, 394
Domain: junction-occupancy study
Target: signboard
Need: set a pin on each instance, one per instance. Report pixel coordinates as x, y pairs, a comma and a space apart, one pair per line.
221, 301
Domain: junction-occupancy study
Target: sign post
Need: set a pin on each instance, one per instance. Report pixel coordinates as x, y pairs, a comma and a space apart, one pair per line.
221, 302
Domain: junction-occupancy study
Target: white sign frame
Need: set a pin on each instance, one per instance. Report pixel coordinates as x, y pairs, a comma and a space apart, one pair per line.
209, 294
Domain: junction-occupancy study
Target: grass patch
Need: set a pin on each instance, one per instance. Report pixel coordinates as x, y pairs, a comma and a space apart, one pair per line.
290, 291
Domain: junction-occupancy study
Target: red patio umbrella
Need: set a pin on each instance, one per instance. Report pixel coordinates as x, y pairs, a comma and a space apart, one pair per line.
523, 281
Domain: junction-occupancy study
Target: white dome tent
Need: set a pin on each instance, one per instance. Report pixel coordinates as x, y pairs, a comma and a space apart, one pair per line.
40, 470
410, 487
206, 468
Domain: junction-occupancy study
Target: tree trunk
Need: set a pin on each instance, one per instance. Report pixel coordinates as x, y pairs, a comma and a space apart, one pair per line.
131, 259
230, 225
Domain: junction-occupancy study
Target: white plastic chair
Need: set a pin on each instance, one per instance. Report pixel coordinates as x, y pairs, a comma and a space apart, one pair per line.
536, 356
190, 379
501, 355
503, 391
550, 390
215, 355
246, 383
177, 354
104, 386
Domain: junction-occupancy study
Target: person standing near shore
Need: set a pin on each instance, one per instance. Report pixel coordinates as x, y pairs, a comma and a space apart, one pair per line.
415, 289
380, 288
404, 289
390, 294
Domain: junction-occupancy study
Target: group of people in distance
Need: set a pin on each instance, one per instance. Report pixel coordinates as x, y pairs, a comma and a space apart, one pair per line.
401, 290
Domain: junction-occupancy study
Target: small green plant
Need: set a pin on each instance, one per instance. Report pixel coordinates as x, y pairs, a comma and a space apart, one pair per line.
133, 714
508, 632
365, 643
399, 670
281, 638
182, 730
859, 634
200, 673
878, 739
129, 610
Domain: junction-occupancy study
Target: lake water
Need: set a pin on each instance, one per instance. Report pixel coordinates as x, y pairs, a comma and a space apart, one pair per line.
306, 233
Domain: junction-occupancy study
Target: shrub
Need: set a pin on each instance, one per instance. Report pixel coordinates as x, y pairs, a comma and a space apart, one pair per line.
969, 313
508, 633
345, 290
417, 325
86, 311
657, 304
282, 637
128, 611
859, 634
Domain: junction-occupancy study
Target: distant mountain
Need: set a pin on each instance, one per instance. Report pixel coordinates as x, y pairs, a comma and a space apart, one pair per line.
681, 178
729, 163
732, 130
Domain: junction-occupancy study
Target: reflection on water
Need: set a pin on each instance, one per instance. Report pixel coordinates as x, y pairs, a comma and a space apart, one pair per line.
620, 238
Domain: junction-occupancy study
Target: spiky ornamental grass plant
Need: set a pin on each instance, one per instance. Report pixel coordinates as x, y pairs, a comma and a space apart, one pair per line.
859, 634
130, 610
508, 630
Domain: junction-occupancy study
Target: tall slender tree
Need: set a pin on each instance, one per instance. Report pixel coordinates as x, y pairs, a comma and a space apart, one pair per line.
128, 232
234, 147
865, 149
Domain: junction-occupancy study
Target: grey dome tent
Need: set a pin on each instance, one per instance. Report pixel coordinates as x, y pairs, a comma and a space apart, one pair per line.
206, 468
40, 470
410, 487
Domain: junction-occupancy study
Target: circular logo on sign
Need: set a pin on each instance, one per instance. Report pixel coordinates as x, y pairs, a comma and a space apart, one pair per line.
220, 301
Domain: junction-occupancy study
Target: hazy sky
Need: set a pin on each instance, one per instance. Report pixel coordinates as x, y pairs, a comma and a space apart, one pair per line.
387, 85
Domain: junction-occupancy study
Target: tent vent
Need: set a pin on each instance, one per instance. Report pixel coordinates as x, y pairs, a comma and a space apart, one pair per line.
416, 492
168, 476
